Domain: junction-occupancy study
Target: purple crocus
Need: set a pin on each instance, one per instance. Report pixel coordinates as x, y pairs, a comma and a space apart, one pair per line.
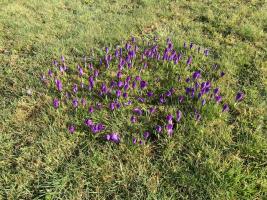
83, 101
158, 128
134, 140
203, 102
206, 52
196, 75
225, 108
118, 93
120, 84
239, 96
95, 128
141, 99
197, 116
218, 98
152, 110
75, 103
125, 95
75, 88
138, 78
146, 135
80, 71
50, 73
181, 99
189, 61
133, 119
88, 122
169, 118
149, 94
143, 84
56, 103
137, 111
187, 80
169, 129
71, 128
112, 106
91, 109
134, 84
119, 75
178, 115
216, 91
59, 85
113, 137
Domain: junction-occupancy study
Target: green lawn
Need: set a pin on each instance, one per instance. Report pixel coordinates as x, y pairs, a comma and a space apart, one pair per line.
225, 158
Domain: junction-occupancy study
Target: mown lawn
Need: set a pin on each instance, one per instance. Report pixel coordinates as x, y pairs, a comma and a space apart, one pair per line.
223, 158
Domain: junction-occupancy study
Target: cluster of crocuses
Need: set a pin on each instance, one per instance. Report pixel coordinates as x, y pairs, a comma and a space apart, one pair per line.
116, 80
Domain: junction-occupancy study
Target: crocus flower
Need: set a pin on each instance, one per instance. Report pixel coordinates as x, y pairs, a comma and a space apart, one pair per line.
134, 84
80, 71
168, 93
95, 128
112, 106
88, 122
196, 75
118, 105
138, 78
181, 99
104, 89
133, 119
225, 108
187, 80
71, 128
127, 103
119, 75
162, 99
50, 73
120, 84
75, 103
158, 128
75, 88
59, 85
126, 86
169, 118
197, 116
91, 109
206, 52
152, 110
141, 100
146, 135
149, 94
125, 95
113, 137
189, 61
118, 93
169, 129
178, 115
218, 99
56, 103
143, 84
222, 74
203, 102
216, 91
134, 140
83, 101
191, 45
239, 96
137, 111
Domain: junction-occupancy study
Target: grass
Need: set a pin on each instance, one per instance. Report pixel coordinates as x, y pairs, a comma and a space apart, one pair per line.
222, 159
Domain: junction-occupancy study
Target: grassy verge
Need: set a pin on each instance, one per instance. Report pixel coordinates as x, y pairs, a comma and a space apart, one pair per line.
40, 160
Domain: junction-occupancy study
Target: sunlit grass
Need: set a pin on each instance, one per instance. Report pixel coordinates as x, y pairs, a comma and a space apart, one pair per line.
222, 159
